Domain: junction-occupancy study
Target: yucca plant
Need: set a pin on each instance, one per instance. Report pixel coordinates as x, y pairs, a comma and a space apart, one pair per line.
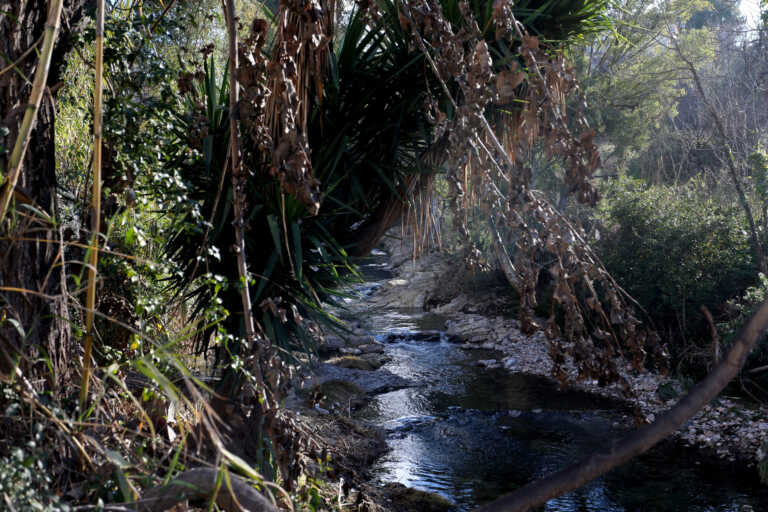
369, 130
291, 254
372, 135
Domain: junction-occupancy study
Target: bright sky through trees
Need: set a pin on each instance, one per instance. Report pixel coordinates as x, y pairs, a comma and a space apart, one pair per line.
751, 10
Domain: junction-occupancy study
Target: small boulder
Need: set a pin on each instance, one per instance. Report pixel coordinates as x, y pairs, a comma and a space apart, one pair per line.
371, 348
358, 363
356, 341
330, 345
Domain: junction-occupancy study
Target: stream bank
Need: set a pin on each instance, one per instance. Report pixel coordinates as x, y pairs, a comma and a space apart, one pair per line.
729, 429
462, 408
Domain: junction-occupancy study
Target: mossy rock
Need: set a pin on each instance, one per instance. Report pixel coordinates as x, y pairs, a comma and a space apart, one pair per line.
407, 499
355, 362
762, 466
377, 360
338, 393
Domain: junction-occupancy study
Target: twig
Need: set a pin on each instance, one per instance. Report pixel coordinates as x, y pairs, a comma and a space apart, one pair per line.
162, 15
213, 213
21, 57
758, 369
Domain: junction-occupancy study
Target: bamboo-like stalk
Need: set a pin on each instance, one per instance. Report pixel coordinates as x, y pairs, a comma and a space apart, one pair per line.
52, 24
90, 300
238, 180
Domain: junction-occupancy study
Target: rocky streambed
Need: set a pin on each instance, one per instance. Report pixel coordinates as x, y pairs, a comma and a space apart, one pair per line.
464, 410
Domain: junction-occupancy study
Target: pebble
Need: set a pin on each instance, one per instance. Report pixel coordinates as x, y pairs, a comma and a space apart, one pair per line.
728, 429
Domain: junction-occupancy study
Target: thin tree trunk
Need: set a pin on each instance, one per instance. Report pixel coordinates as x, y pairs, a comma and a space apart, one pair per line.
754, 238
230, 382
238, 179
640, 441
35, 264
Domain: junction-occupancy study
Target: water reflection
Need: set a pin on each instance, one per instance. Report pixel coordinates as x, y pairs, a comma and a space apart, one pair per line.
471, 434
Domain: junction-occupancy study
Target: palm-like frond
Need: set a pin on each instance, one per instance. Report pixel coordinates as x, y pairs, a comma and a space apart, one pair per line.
371, 122
369, 131
292, 255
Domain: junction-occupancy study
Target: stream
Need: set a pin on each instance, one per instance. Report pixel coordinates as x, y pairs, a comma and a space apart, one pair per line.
471, 434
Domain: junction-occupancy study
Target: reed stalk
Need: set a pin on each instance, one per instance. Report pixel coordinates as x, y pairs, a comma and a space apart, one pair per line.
52, 24
93, 253
238, 180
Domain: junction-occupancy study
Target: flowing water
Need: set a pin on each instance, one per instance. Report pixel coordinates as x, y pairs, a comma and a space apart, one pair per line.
471, 434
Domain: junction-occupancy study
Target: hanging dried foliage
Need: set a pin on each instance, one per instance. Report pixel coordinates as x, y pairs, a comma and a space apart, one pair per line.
592, 321
299, 57
273, 112
254, 92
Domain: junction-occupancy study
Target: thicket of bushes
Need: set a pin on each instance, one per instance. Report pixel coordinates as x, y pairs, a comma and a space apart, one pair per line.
675, 249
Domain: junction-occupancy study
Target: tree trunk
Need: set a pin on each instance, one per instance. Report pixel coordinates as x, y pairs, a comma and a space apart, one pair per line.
35, 323
754, 236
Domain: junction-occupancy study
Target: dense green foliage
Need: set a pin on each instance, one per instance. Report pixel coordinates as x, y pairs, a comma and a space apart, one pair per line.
166, 267
25, 481
675, 249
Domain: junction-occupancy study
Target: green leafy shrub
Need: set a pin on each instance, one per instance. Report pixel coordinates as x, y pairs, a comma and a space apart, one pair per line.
25, 483
675, 249
740, 311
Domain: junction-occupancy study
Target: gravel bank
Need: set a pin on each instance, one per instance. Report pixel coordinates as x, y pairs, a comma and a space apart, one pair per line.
729, 428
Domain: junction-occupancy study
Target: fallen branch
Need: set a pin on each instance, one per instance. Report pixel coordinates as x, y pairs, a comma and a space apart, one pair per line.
640, 441
758, 369
203, 483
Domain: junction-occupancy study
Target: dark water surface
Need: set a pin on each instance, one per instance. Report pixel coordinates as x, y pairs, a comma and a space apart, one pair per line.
472, 434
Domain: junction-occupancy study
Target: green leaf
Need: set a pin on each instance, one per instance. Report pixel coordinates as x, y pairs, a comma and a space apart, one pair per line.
274, 229
19, 328
298, 255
